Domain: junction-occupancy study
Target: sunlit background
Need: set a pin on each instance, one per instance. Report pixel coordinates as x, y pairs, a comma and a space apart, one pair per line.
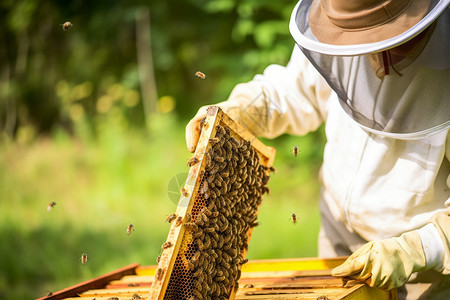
93, 119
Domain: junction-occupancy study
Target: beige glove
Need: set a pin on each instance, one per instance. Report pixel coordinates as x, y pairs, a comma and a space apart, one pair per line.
385, 264
193, 129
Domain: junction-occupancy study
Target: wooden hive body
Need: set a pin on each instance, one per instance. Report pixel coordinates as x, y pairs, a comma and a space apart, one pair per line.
299, 278
209, 234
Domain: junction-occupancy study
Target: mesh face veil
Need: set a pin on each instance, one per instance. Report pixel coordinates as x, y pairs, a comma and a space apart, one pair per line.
413, 101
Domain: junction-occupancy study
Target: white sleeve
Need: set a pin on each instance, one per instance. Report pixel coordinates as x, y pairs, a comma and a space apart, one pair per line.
291, 99
433, 247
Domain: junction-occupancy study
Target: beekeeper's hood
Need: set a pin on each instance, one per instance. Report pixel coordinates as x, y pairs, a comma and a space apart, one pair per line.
388, 60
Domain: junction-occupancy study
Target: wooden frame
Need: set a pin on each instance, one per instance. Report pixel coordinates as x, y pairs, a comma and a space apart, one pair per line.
215, 116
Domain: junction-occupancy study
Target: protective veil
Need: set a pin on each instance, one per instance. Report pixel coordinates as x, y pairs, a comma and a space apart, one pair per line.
412, 102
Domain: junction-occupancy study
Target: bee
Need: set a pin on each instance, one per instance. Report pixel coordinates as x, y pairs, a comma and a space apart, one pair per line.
49, 294
184, 192
295, 151
192, 161
51, 205
248, 286
200, 75
204, 188
84, 258
179, 221
206, 211
191, 226
293, 218
66, 26
171, 217
202, 124
197, 294
158, 259
166, 245
198, 272
130, 228
195, 256
136, 297
159, 274
322, 298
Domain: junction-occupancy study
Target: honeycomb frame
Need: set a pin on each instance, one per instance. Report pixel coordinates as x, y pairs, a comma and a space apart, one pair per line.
189, 266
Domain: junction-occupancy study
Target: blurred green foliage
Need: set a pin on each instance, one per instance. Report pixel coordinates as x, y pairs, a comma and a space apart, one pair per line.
74, 130
50, 78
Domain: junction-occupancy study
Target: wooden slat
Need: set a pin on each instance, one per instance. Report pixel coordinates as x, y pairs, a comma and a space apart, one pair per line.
146, 270
115, 292
95, 283
297, 264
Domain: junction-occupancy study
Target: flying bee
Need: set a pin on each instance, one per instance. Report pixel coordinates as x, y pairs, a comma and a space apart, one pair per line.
130, 228
293, 218
171, 217
200, 75
51, 205
84, 258
184, 192
66, 26
295, 151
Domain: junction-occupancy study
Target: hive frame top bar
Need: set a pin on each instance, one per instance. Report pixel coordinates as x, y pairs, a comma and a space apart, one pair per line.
215, 116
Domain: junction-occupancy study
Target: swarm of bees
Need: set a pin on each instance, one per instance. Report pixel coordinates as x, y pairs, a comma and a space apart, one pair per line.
224, 210
66, 26
200, 75
51, 205
130, 228
84, 258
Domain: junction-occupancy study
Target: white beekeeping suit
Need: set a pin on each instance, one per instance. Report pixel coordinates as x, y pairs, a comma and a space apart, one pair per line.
386, 167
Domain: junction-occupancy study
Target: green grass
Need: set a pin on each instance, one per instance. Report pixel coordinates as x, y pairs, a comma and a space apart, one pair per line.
102, 184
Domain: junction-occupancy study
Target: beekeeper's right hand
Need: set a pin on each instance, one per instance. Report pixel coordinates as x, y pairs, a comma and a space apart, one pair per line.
193, 129
231, 108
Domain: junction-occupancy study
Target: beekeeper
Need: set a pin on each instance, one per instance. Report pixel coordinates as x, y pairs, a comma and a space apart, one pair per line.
378, 73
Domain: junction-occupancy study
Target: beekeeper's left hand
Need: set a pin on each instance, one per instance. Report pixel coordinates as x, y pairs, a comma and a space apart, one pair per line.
385, 264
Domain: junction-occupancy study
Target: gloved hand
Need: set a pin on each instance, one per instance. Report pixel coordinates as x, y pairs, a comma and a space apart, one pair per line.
193, 129
386, 264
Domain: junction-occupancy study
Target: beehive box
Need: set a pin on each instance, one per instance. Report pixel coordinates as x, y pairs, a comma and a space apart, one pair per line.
211, 228
295, 278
